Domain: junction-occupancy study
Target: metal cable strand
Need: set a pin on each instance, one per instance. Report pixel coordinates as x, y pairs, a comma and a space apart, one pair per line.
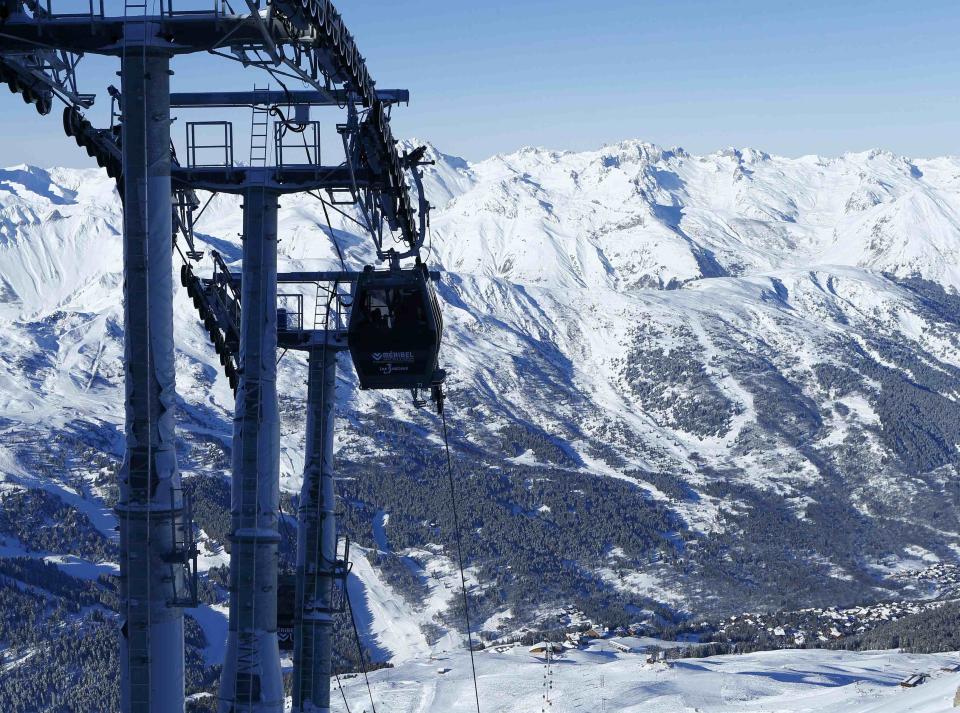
356, 636
463, 579
356, 192
342, 694
333, 236
345, 215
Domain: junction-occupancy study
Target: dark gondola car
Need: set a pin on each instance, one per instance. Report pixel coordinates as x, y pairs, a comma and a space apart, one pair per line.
395, 328
286, 609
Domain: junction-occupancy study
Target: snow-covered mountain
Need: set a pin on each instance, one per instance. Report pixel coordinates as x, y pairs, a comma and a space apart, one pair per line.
678, 383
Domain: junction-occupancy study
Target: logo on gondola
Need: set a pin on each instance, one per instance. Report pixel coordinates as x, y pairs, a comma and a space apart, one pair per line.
392, 356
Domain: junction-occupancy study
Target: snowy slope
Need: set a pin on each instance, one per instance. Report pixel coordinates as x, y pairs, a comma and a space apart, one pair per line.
600, 679
718, 369
633, 215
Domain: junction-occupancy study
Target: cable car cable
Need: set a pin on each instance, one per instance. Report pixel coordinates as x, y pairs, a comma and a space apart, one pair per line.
344, 214
456, 526
356, 192
333, 236
342, 694
213, 194
429, 246
356, 636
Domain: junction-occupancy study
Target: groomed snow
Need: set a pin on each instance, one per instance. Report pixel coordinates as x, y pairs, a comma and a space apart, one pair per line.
788, 681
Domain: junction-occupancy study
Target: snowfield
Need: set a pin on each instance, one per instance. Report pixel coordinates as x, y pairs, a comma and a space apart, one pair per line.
599, 679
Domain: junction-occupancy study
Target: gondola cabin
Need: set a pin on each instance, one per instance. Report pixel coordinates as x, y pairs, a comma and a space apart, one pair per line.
286, 609
395, 328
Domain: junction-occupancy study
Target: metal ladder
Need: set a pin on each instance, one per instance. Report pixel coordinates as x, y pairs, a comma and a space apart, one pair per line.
134, 7
138, 572
138, 641
318, 316
259, 128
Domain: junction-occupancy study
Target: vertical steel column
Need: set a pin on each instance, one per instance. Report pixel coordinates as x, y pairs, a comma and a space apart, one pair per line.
316, 543
150, 502
251, 681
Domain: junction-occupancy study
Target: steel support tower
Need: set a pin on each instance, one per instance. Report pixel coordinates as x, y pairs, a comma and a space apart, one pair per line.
316, 540
251, 679
150, 507
39, 53
319, 567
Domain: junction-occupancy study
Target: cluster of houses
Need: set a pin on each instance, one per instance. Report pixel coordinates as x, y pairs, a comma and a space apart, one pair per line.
943, 579
805, 626
802, 627
624, 639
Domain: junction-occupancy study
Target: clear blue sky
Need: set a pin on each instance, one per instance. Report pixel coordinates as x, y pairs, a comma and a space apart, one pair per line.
787, 77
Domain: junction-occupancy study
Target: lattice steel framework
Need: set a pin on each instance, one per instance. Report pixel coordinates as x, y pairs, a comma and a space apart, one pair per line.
41, 50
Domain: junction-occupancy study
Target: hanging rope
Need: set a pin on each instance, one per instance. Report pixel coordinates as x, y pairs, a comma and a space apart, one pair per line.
356, 637
463, 579
284, 525
342, 694
337, 210
333, 236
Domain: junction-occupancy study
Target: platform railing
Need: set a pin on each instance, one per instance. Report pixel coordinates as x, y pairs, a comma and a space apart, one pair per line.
100, 9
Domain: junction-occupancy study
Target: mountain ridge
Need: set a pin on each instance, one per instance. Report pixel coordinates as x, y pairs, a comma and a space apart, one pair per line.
680, 385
